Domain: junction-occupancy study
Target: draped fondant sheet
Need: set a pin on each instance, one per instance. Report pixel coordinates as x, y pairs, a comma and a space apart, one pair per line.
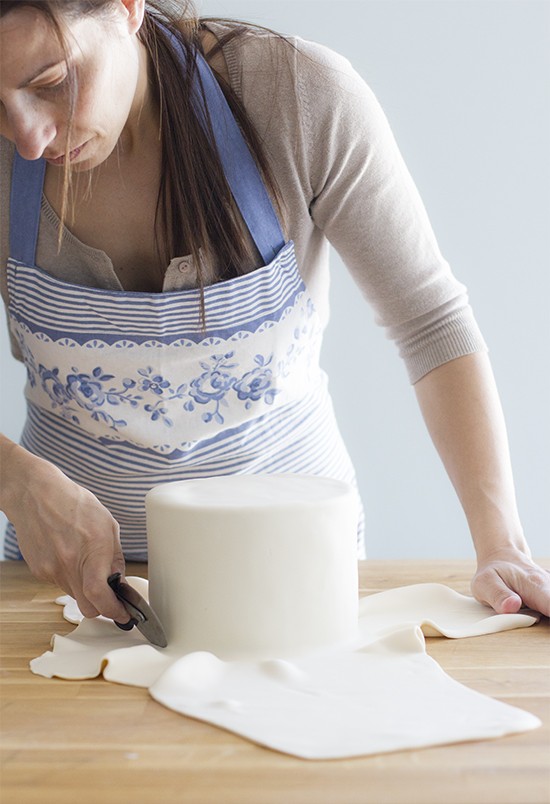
380, 693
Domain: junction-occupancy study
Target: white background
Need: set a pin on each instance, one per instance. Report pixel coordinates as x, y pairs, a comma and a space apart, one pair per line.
465, 84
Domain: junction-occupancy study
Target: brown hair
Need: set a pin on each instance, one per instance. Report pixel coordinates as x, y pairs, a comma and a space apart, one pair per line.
196, 212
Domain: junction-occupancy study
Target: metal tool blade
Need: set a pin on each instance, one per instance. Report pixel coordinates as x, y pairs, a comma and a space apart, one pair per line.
139, 610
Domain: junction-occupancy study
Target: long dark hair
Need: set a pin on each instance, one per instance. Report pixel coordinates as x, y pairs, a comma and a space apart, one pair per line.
196, 213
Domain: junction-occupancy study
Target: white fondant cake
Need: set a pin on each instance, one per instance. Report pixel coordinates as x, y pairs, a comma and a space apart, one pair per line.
254, 566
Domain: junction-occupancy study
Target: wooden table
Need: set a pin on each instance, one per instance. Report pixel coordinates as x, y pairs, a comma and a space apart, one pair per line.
92, 741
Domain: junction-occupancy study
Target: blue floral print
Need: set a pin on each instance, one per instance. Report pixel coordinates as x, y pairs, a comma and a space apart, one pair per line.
158, 385
222, 381
52, 384
212, 386
153, 382
216, 381
95, 392
257, 384
88, 389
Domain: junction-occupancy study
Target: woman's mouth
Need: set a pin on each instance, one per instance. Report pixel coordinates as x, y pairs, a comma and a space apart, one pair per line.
60, 160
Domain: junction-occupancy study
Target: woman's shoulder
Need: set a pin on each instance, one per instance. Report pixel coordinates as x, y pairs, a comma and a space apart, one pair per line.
258, 56
294, 88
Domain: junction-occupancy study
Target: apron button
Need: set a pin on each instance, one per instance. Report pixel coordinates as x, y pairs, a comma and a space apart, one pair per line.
183, 265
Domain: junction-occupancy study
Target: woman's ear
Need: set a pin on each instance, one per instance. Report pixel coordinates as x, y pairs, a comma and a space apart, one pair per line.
134, 11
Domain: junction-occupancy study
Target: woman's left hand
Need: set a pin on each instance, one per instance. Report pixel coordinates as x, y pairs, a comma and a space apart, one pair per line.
459, 401
508, 580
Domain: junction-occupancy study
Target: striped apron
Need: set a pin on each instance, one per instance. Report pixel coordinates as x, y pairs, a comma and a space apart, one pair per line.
126, 390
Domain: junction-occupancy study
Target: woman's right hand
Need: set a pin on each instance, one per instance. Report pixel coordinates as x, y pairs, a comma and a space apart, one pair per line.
65, 535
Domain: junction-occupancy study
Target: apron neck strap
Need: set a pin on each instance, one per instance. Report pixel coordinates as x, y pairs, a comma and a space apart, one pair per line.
27, 181
240, 169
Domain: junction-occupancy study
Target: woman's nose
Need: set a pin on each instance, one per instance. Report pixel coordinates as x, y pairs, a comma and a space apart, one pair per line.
31, 132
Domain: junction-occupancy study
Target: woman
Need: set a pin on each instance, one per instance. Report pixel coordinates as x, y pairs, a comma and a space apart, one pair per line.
167, 281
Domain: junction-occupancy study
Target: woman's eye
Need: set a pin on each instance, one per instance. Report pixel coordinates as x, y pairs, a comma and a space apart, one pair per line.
54, 88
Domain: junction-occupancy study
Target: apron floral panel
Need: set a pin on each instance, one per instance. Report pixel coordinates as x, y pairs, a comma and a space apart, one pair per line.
127, 390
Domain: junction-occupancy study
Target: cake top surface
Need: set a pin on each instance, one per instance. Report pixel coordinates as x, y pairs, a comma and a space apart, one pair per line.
249, 491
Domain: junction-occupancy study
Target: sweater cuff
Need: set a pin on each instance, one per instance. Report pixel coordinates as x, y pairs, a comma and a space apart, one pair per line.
455, 336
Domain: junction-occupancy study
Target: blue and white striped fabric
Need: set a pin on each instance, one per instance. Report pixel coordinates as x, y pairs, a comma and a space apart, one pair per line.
127, 390
138, 369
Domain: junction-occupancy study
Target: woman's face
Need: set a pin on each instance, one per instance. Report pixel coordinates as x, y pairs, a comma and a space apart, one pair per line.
110, 69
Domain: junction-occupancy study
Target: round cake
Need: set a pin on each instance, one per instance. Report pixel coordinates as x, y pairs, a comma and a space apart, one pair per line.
254, 566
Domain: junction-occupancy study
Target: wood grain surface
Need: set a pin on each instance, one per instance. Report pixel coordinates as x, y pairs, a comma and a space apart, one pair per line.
97, 742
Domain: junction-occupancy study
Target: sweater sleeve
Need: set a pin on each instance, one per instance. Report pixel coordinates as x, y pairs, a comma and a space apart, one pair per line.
365, 201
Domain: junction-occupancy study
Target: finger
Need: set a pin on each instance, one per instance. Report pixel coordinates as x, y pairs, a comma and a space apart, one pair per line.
535, 591
93, 591
95, 566
86, 608
118, 563
532, 584
509, 605
72, 587
102, 599
490, 589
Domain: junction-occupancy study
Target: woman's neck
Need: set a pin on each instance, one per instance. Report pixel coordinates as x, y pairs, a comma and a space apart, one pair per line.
141, 134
